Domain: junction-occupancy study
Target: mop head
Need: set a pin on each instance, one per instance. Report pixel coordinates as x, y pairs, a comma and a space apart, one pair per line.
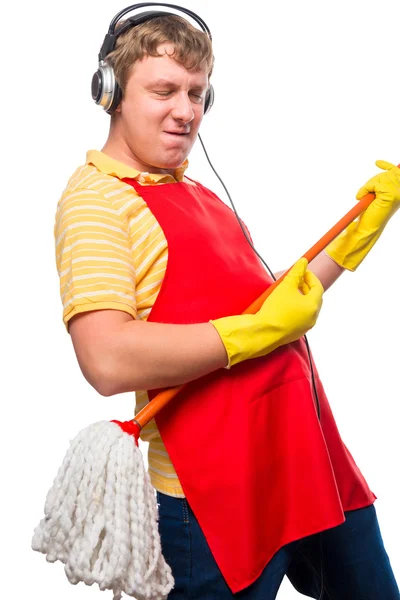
101, 517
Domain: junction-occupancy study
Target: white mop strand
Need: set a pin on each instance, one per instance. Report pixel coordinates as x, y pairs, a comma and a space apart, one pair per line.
101, 517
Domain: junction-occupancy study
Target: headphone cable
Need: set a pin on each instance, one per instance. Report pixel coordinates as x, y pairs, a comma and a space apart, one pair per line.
305, 337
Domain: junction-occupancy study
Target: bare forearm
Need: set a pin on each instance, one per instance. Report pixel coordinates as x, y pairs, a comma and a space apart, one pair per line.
144, 356
324, 268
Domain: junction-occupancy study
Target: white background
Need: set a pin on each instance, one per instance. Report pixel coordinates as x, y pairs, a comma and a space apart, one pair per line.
307, 98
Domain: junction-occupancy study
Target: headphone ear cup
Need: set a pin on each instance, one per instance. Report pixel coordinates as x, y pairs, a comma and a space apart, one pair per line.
97, 86
105, 89
209, 99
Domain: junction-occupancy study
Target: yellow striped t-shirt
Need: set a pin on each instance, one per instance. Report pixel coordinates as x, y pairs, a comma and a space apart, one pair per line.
111, 253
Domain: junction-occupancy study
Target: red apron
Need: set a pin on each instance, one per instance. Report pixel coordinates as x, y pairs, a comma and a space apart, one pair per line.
257, 467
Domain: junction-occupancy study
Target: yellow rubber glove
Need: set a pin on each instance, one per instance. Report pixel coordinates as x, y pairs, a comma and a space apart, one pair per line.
285, 316
351, 247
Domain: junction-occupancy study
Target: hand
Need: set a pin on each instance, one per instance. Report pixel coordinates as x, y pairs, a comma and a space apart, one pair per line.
286, 315
386, 187
286, 305
351, 247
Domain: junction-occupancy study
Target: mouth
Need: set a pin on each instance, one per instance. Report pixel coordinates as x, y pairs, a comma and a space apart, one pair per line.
177, 133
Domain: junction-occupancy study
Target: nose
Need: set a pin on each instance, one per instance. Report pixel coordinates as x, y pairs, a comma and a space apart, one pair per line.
182, 109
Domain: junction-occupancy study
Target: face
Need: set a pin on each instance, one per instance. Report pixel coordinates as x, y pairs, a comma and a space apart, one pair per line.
161, 112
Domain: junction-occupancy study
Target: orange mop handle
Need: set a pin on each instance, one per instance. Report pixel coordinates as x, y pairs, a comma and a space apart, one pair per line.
164, 397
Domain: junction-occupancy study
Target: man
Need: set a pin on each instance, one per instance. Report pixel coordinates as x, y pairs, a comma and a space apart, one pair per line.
155, 274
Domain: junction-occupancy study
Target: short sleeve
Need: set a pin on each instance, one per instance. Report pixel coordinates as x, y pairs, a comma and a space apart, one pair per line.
93, 255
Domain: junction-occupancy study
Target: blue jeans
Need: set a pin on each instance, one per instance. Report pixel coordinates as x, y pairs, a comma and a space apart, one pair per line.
355, 565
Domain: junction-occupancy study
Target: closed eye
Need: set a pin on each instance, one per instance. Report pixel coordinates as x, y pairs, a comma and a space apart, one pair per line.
168, 93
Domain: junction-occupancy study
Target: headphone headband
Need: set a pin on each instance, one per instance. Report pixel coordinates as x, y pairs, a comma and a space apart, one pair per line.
188, 12
111, 37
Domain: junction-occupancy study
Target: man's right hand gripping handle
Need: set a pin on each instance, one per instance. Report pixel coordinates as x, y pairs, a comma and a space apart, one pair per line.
286, 315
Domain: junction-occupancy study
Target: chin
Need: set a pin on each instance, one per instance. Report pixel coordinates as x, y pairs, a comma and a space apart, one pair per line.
172, 163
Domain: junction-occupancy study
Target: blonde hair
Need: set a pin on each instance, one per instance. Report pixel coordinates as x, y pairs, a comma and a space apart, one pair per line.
192, 47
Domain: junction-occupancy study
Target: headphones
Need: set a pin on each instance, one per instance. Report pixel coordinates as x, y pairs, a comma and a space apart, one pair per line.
105, 89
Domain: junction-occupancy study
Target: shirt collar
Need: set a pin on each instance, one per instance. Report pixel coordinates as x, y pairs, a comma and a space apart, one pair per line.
109, 166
